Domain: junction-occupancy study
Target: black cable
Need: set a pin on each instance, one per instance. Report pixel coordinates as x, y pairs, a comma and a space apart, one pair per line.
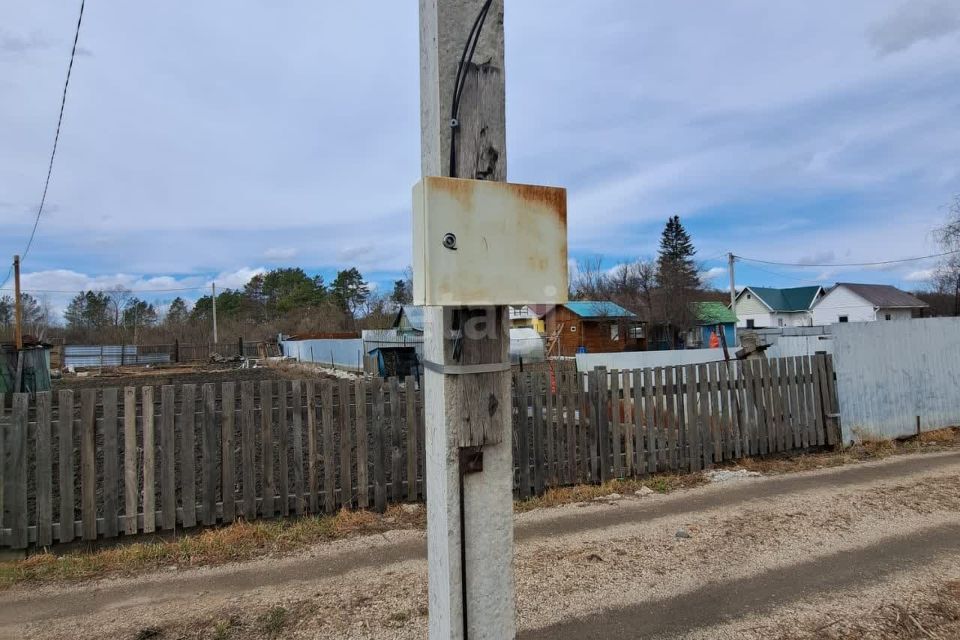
466, 59
56, 139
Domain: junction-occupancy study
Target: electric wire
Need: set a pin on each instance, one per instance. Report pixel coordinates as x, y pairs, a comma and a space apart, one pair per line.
848, 264
53, 152
24, 290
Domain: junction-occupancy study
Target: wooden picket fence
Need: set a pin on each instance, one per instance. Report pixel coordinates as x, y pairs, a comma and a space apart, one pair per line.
102, 463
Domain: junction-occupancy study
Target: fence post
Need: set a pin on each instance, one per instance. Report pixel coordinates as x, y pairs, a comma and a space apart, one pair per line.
240, 346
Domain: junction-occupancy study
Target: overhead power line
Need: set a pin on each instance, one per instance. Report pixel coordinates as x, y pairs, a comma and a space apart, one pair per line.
73, 291
53, 152
847, 264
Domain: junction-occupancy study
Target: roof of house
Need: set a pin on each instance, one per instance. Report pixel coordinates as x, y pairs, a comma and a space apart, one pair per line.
883, 295
598, 309
713, 313
414, 315
787, 300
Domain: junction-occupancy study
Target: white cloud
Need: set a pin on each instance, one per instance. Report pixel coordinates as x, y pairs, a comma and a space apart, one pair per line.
280, 253
236, 279
920, 275
713, 273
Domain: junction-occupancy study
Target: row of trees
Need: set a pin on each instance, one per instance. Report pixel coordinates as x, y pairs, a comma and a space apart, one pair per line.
288, 300
285, 300
35, 313
658, 290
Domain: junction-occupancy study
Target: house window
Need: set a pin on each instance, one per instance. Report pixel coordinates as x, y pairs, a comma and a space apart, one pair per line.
750, 322
614, 331
781, 323
888, 317
844, 319
636, 331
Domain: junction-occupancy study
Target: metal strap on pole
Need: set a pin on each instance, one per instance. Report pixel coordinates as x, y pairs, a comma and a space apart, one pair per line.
466, 369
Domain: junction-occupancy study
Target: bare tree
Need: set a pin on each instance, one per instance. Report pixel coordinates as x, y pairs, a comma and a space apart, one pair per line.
119, 296
589, 280
946, 275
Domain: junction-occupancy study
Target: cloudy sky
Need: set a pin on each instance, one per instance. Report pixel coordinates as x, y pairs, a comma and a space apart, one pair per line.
207, 140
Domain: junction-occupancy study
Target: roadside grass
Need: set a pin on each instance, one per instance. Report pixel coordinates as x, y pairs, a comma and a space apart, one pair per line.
660, 483
247, 540
864, 451
932, 612
239, 541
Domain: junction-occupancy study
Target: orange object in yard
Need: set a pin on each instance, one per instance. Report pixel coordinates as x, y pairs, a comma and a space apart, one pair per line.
714, 340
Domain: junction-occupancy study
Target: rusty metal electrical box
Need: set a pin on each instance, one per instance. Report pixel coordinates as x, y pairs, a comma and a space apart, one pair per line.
479, 243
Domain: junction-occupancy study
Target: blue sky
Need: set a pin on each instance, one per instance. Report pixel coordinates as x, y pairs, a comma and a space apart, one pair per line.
211, 140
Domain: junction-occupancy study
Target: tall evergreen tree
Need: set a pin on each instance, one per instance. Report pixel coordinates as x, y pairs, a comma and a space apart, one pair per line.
402, 293
675, 264
350, 290
178, 313
89, 310
678, 281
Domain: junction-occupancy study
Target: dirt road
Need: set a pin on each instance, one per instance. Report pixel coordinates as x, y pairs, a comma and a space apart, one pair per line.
823, 554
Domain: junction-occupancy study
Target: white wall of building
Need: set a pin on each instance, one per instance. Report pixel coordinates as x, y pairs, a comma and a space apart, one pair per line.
840, 302
750, 308
895, 314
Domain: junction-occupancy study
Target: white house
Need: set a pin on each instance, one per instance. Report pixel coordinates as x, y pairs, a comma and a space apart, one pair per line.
766, 307
850, 302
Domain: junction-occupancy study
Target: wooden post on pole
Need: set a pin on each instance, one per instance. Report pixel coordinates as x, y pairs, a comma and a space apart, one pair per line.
213, 288
17, 304
469, 515
731, 260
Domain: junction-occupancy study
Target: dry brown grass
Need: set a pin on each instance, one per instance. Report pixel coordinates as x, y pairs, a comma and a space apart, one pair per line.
236, 542
929, 613
661, 483
866, 450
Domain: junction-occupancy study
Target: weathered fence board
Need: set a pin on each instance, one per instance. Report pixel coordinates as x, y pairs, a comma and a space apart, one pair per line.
149, 461
228, 482
367, 437
43, 471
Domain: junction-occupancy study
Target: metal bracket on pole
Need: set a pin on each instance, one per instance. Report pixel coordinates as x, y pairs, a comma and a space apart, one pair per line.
466, 369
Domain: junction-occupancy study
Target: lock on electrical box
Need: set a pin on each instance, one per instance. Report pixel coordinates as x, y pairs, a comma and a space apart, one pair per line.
482, 243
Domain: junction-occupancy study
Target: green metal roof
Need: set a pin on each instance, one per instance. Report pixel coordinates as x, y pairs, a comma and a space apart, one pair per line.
713, 313
793, 299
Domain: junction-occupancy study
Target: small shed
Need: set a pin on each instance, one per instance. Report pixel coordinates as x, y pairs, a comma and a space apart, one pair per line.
396, 361
27, 370
709, 316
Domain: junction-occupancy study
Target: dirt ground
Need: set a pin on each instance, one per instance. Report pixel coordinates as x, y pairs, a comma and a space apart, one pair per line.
862, 551
185, 374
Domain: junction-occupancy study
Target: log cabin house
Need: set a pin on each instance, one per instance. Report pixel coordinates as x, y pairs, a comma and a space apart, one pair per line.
586, 326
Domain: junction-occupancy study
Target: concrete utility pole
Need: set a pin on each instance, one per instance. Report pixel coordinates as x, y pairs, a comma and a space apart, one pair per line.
17, 304
213, 288
469, 514
731, 259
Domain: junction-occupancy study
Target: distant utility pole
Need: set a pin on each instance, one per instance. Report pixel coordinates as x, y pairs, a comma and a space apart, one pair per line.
17, 305
214, 298
469, 489
731, 259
